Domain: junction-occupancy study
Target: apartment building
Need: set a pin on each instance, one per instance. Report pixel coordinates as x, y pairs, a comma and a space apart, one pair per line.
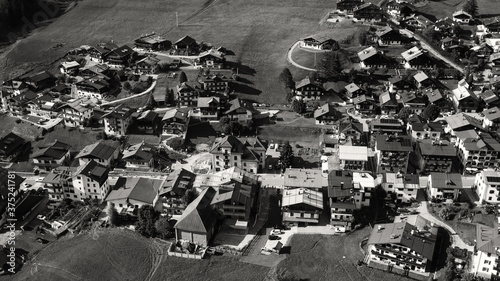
247, 153
487, 186
90, 181
403, 186
393, 153
444, 186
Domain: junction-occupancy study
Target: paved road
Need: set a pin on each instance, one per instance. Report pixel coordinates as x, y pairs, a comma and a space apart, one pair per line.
289, 58
456, 240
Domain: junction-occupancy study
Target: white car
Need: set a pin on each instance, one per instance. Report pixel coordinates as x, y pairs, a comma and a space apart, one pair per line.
277, 232
40, 217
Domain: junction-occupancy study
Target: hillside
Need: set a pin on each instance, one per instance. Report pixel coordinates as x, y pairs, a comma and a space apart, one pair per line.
258, 32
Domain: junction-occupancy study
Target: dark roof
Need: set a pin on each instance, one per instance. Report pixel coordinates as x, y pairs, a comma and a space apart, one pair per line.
186, 40
340, 183
178, 182
97, 150
10, 143
40, 76
149, 116
27, 204
433, 94
94, 171
487, 239
389, 143
139, 189
55, 150
446, 180
119, 112
436, 148
122, 52
141, 151
199, 216
237, 103
327, 109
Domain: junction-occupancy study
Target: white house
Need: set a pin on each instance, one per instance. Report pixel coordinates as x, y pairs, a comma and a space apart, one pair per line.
487, 185
444, 186
90, 181
405, 186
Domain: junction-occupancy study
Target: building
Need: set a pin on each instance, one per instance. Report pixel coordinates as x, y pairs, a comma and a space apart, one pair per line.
403, 186
487, 186
421, 131
99, 52
90, 181
461, 122
237, 203
119, 58
436, 97
491, 120
347, 6
176, 185
368, 12
306, 89
462, 17
140, 156
148, 122
352, 129
403, 248
363, 185
484, 261
444, 186
417, 58
353, 157
11, 146
387, 126
245, 153
187, 94
414, 102
477, 151
99, 152
327, 115
393, 153
175, 121
117, 120
44, 106
40, 81
215, 83
365, 104
435, 156
390, 37
398, 83
353, 90
129, 194
18, 105
96, 88
307, 178
152, 42
388, 104
147, 65
211, 59
78, 112
197, 222
318, 42
463, 99
372, 58
53, 155
241, 111
186, 45
59, 183
301, 205
341, 199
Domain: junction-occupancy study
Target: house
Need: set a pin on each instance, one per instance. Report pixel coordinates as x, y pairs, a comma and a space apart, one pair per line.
477, 150
462, 17
241, 111
77, 112
92, 88
368, 12
393, 153
53, 155
436, 97
197, 222
422, 80
140, 156
400, 9
246, 153
11, 146
490, 98
461, 122
147, 65
399, 83
69, 67
28, 207
435, 156
444, 25
341, 199
306, 178
176, 184
175, 121
117, 120
307, 90
387, 126
403, 186
100, 51
388, 104
237, 203
327, 115
495, 59
484, 261
463, 99
18, 105
44, 106
365, 104
302, 205
353, 157
129, 194
347, 6
187, 94
414, 102
420, 131
493, 43
371, 58
119, 58
444, 186
215, 83
491, 120
58, 183
447, 42
152, 42
211, 59
186, 45
319, 42
208, 108
390, 37
354, 131
402, 247
487, 186
148, 122
417, 22
99, 152
90, 181
363, 186
492, 24
417, 58
353, 90
40, 81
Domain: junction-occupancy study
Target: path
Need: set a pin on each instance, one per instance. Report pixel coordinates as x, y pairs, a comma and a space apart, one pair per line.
289, 58
456, 240
134, 96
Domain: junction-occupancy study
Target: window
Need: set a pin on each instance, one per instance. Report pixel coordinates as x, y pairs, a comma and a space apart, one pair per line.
487, 262
121, 205
95, 190
492, 191
485, 269
235, 158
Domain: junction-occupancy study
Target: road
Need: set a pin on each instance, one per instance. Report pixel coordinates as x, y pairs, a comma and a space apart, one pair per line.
289, 58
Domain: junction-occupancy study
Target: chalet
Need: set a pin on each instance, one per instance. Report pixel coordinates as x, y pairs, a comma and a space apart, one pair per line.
207, 108
44, 106
187, 94
58, 183
388, 104
77, 112
241, 111
365, 104
186, 45
492, 24
444, 25
129, 194
177, 183
18, 105
90, 181
461, 122
493, 43
390, 37
119, 58
403, 247
417, 22
302, 205
477, 150
307, 89
393, 153
490, 98
399, 83
447, 42
399, 9
140, 156
100, 51
483, 50
11, 146
61, 89
52, 156
368, 12
197, 222
463, 99
371, 58
347, 6
462, 17
152, 42
435, 156
147, 65
148, 122
412, 101
353, 90
246, 153
211, 59
444, 186
69, 67
491, 120
40, 81
92, 88
117, 121
327, 115
387, 126
420, 131
215, 83
422, 80
417, 58
100, 152
403, 186
236, 203
353, 130
175, 121
435, 96
319, 42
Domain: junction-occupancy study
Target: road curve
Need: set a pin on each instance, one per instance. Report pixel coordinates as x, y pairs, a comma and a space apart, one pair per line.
290, 60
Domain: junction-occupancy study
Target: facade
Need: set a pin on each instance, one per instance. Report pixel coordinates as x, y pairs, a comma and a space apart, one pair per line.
403, 186
363, 185
215, 83
487, 186
77, 112
372, 58
393, 153
119, 58
302, 205
307, 89
415, 102
319, 43
484, 261
174, 189
52, 156
59, 183
147, 65
117, 121
245, 153
421, 131
175, 121
341, 199
148, 122
100, 152
491, 120
462, 17
368, 12
186, 45
353, 90
90, 181
388, 104
241, 111
347, 6
211, 59
92, 88
18, 105
11, 146
237, 203
444, 186
463, 99
477, 151
152, 42
436, 156
353, 157
139, 156
387, 126
390, 37
187, 94
416, 58
327, 115
365, 104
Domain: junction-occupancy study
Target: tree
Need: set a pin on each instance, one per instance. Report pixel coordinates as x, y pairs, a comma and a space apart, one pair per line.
236, 128
163, 228
298, 106
176, 143
287, 79
146, 220
286, 156
127, 86
169, 97
431, 112
330, 66
189, 196
114, 217
471, 7
182, 77
225, 125
362, 38
405, 113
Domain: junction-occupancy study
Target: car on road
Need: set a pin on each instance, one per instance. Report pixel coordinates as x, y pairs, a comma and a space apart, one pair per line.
274, 237
277, 232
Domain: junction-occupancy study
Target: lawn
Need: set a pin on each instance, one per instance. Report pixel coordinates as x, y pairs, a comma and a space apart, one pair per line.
258, 32
23, 129
78, 139
323, 257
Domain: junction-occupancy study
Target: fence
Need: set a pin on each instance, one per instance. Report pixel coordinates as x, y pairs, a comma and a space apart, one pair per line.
171, 252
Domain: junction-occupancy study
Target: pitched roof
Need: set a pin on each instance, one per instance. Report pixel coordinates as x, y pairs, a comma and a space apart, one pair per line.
237, 103
487, 239
10, 142
461, 13
186, 40
327, 109
148, 115
139, 189
97, 150
141, 151
94, 171
412, 53
306, 196
55, 150
198, 216
119, 112
433, 94
178, 182
420, 76
352, 88
362, 99
367, 53
388, 143
446, 180
387, 99
460, 120
492, 114
307, 81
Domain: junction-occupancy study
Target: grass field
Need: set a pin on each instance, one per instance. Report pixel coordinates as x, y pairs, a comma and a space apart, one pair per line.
441, 9
258, 32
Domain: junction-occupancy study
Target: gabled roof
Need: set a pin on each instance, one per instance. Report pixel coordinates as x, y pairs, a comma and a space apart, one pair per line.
199, 216
412, 53
492, 114
446, 180
97, 150
461, 13
139, 189
94, 171
9, 143
237, 103
186, 40
367, 53
362, 99
141, 151
487, 239
355, 153
460, 120
352, 88
488, 96
40, 76
420, 76
364, 6
387, 99
433, 94
178, 182
307, 81
148, 115
119, 112
122, 52
305, 196
55, 150
179, 113
327, 109
432, 127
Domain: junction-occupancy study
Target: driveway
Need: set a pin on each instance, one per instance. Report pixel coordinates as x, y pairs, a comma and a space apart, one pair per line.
289, 58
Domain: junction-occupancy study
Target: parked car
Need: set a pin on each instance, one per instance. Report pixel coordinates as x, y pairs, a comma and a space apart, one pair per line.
277, 232
41, 217
274, 237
